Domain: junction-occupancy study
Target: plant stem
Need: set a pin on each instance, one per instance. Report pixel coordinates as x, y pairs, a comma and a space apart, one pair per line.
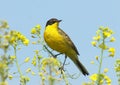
16, 60
100, 66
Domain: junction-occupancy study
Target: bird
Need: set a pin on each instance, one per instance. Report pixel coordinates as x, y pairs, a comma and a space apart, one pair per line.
59, 41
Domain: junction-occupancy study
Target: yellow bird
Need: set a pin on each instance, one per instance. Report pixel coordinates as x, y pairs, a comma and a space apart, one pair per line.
58, 40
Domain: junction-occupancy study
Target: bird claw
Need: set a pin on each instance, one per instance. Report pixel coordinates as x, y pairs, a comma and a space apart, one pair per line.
62, 69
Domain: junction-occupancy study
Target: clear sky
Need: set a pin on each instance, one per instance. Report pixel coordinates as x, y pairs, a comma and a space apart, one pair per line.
80, 20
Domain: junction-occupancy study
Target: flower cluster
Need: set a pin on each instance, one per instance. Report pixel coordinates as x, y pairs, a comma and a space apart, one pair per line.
103, 35
104, 79
53, 65
117, 65
50, 61
16, 37
117, 69
36, 29
4, 24
100, 41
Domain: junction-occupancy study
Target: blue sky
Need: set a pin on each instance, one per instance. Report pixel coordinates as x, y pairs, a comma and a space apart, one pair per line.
80, 20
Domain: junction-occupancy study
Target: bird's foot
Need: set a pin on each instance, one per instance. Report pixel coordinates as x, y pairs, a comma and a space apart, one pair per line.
61, 69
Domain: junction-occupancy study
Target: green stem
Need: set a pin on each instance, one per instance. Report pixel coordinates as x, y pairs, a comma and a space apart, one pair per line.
18, 67
38, 63
100, 66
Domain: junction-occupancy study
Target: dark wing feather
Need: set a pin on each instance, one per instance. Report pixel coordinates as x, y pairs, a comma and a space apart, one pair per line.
69, 40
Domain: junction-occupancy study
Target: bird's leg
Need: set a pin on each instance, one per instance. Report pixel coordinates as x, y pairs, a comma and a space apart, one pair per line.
57, 55
64, 60
49, 51
62, 67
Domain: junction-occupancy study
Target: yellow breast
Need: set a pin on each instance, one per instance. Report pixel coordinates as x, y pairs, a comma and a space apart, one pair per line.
55, 40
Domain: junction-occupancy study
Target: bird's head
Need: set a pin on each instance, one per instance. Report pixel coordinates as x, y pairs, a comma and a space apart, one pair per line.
53, 21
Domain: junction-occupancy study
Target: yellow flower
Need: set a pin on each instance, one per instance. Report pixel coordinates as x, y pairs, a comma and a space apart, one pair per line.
94, 77
33, 73
105, 70
97, 38
93, 43
54, 61
118, 61
33, 42
117, 65
41, 74
10, 77
34, 63
7, 37
3, 83
33, 31
12, 40
37, 51
27, 59
112, 54
92, 62
110, 31
103, 46
98, 32
45, 62
38, 27
106, 34
117, 69
3, 65
58, 72
18, 34
28, 70
96, 57
106, 29
112, 39
26, 42
43, 78
4, 24
12, 57
112, 51
22, 37
27, 78
108, 80
101, 28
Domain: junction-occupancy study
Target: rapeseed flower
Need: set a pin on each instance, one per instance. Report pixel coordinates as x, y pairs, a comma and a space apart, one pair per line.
36, 29
27, 59
12, 57
94, 43
112, 51
112, 39
33, 31
16, 38
10, 77
105, 70
97, 38
94, 77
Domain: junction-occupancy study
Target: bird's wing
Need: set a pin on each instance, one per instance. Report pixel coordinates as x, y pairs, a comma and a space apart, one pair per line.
69, 40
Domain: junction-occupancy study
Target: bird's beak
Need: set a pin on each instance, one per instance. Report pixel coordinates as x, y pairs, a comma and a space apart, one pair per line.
59, 20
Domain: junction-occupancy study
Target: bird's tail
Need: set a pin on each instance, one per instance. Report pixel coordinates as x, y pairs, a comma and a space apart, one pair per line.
81, 67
